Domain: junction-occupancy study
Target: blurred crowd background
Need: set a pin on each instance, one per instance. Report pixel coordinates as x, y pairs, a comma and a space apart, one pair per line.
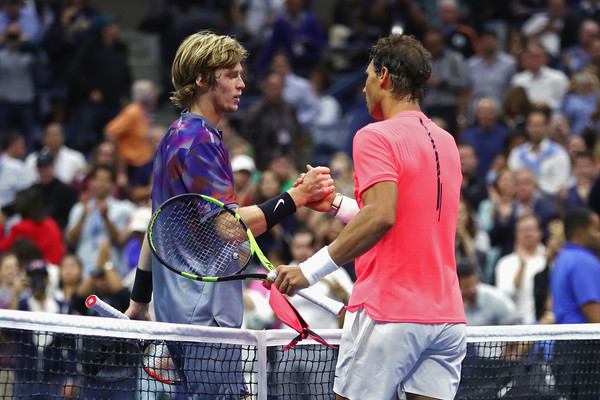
84, 102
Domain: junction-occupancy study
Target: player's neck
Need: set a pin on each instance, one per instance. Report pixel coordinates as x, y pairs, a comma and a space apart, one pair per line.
207, 111
395, 106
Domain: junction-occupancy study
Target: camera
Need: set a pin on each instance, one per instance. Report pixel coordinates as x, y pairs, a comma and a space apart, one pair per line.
12, 36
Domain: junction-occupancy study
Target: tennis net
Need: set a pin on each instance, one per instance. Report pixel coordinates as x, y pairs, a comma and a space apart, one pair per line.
49, 356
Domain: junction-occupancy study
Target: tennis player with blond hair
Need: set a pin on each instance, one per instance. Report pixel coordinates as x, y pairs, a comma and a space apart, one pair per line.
191, 158
405, 326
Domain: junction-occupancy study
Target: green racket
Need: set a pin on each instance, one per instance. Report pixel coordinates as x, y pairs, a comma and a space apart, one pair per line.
203, 239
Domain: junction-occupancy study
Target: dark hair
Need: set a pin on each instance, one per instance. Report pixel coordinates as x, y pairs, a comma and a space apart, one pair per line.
9, 138
29, 203
26, 251
471, 224
499, 172
323, 74
545, 111
487, 31
104, 167
528, 215
575, 219
465, 268
536, 44
516, 95
74, 257
407, 62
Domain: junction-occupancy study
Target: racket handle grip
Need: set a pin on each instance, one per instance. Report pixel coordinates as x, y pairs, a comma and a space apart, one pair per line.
103, 308
333, 306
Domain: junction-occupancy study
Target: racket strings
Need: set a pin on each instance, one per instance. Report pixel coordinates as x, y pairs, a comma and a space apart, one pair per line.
201, 238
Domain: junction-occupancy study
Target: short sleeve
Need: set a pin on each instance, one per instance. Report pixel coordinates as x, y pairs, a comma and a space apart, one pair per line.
584, 282
374, 161
206, 171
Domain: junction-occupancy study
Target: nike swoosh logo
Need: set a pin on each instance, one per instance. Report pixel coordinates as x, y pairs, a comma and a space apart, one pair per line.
281, 201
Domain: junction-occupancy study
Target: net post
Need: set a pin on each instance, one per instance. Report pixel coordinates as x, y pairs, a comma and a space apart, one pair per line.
261, 361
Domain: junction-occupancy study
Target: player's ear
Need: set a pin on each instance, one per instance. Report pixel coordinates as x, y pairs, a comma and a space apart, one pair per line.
384, 77
200, 83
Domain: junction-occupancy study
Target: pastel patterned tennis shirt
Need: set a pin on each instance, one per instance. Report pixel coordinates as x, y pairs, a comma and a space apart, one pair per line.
192, 158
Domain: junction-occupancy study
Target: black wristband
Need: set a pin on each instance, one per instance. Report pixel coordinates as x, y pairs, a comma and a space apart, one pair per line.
277, 209
142, 286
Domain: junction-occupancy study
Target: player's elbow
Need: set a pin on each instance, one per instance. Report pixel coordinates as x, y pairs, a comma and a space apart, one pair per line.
591, 310
383, 222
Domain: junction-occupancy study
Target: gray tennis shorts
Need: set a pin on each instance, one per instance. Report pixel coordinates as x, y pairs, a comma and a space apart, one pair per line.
380, 360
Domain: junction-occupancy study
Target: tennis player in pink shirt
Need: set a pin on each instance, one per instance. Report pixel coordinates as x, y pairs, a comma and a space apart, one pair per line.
405, 326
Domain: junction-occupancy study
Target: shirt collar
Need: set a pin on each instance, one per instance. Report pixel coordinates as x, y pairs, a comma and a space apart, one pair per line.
410, 113
186, 114
573, 246
544, 144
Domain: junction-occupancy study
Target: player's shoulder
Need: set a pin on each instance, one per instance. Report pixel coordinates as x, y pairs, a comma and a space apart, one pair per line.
191, 132
373, 128
388, 125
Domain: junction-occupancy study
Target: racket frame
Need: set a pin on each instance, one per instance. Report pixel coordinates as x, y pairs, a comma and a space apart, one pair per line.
333, 306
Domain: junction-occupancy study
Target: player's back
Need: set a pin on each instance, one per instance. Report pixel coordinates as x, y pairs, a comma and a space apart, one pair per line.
416, 257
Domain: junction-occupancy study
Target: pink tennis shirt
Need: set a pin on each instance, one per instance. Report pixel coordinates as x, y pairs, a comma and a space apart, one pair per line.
410, 275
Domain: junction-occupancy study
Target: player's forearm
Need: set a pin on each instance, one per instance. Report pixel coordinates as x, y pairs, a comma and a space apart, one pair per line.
145, 259
264, 216
254, 218
316, 185
370, 224
361, 234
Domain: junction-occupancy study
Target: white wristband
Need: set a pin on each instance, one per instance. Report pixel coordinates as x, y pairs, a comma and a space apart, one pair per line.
318, 266
347, 210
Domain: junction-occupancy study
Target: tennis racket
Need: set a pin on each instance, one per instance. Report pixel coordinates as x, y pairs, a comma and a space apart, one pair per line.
203, 239
155, 358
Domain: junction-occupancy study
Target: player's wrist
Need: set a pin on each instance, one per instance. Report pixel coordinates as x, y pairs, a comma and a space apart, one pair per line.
278, 208
298, 196
139, 311
318, 266
142, 286
334, 207
343, 208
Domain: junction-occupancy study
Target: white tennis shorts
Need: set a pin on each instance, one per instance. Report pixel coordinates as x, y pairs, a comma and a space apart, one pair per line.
380, 360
